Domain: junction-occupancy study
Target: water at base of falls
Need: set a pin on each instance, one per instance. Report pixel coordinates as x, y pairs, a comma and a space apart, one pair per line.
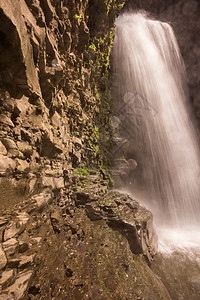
183, 240
151, 116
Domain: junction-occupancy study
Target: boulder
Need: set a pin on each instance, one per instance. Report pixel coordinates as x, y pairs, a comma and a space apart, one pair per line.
23, 246
126, 215
53, 182
46, 181
10, 146
22, 166
6, 278
50, 146
43, 199
21, 106
25, 261
59, 182
11, 230
56, 220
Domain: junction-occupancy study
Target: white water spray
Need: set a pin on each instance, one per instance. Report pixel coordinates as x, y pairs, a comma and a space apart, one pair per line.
149, 100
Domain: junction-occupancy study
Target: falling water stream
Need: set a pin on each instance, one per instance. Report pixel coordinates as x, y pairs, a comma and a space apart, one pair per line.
153, 117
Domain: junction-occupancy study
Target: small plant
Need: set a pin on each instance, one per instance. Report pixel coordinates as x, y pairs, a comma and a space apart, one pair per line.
120, 5
109, 5
81, 170
92, 46
79, 18
94, 140
76, 134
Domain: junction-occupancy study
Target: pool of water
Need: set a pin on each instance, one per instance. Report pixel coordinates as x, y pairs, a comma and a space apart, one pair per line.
178, 262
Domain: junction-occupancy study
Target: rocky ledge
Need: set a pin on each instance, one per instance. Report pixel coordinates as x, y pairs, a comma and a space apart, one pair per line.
87, 244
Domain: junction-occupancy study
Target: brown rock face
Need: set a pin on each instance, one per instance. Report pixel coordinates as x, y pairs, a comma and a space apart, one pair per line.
89, 244
12, 14
54, 65
128, 217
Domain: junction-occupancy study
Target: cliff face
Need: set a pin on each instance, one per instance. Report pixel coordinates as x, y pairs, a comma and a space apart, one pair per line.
54, 89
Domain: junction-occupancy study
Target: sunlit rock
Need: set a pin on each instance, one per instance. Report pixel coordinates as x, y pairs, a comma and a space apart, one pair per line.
3, 259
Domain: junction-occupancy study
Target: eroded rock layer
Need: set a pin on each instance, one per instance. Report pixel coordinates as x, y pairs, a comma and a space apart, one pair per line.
54, 104
86, 244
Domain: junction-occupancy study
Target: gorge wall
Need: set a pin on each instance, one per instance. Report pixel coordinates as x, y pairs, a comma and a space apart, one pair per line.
54, 90
63, 235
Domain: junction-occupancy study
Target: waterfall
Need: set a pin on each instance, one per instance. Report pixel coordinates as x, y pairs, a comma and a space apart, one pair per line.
152, 117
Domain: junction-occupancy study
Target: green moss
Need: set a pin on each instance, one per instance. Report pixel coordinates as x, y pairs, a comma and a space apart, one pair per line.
79, 18
98, 62
82, 170
111, 4
94, 140
92, 46
120, 6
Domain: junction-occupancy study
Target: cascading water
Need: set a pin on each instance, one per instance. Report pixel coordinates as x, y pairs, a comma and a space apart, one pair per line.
153, 117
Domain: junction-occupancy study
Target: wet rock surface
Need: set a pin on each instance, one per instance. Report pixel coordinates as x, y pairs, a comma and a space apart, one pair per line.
127, 216
179, 271
97, 248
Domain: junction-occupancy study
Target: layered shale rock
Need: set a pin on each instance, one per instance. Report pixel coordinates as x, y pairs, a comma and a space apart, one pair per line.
54, 90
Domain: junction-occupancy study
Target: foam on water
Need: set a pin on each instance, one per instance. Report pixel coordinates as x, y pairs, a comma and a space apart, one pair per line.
186, 241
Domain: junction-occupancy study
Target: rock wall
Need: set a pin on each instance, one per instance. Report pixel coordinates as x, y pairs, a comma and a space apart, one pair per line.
54, 90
